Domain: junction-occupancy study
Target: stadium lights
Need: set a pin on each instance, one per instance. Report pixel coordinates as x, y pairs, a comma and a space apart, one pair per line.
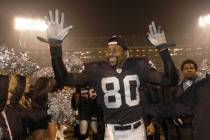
30, 24
204, 20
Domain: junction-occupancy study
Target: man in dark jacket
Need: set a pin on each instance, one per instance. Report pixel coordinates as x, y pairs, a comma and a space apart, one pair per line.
181, 128
194, 102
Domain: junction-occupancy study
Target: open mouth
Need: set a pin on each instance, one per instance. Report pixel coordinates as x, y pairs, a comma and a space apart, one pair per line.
112, 61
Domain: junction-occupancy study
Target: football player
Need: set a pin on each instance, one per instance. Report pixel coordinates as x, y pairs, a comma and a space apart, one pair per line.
117, 81
89, 113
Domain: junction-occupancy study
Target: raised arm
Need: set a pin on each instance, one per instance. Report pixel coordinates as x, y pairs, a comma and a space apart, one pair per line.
170, 76
55, 36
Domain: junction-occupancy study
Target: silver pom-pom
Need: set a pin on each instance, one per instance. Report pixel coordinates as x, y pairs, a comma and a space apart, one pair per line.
204, 68
59, 106
13, 63
73, 63
7, 60
204, 64
45, 72
25, 66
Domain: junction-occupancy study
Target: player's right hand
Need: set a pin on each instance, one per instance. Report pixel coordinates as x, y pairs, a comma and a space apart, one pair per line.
150, 129
55, 30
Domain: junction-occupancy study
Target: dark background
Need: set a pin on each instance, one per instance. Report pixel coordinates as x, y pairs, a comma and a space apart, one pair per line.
108, 17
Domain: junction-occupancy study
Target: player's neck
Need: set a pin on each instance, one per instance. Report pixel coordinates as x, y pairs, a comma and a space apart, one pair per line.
120, 63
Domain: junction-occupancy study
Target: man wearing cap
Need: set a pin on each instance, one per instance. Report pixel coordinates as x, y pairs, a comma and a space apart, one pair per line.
118, 81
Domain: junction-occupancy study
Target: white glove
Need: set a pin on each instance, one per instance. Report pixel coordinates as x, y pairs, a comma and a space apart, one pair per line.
156, 36
55, 30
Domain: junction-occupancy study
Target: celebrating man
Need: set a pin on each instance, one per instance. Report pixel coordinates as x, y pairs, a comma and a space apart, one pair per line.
118, 81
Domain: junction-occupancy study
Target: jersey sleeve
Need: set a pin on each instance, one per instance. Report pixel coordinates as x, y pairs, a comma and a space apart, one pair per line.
170, 75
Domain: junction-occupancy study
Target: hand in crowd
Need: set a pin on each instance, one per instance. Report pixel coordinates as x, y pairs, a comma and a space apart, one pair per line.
55, 30
156, 36
150, 129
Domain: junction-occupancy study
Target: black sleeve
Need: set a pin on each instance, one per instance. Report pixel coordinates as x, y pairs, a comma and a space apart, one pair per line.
61, 75
151, 95
170, 76
181, 107
4, 84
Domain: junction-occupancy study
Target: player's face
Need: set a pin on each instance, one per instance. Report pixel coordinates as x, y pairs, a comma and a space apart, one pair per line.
115, 54
189, 71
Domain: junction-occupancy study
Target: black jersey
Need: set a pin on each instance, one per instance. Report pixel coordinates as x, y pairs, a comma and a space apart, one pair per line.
118, 90
88, 108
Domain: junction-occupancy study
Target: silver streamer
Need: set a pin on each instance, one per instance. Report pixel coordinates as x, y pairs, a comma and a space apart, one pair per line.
204, 68
7, 60
25, 66
72, 63
59, 106
45, 72
204, 64
13, 63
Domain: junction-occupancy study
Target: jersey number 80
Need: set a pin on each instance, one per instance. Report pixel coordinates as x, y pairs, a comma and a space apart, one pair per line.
116, 88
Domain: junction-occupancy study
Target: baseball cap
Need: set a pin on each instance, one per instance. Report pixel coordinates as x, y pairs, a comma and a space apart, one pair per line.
118, 40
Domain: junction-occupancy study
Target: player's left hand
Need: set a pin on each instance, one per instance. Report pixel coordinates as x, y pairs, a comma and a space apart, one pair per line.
55, 29
156, 36
150, 129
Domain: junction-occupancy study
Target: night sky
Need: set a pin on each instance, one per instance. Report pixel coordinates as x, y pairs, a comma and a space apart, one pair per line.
108, 17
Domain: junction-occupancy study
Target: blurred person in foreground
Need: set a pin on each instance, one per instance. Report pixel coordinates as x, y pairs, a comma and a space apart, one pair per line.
194, 102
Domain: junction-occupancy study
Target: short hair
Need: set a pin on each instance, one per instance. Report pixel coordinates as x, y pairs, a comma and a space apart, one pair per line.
189, 61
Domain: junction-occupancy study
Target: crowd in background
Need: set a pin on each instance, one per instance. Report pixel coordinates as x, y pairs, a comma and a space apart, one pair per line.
24, 109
